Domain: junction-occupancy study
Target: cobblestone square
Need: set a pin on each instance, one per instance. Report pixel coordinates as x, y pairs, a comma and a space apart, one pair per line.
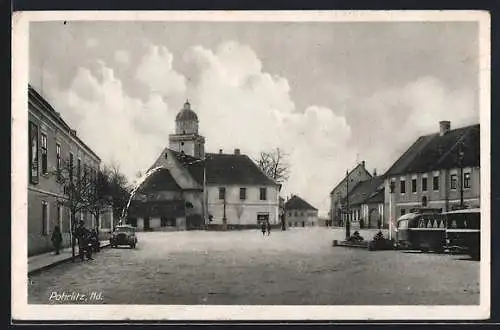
294, 267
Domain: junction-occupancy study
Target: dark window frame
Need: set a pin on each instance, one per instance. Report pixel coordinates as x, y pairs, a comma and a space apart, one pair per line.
222, 193
414, 185
402, 186
467, 180
435, 183
424, 184
44, 152
453, 181
263, 194
243, 193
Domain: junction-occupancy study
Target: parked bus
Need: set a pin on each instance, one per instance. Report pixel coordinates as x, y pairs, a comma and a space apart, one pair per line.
463, 231
425, 231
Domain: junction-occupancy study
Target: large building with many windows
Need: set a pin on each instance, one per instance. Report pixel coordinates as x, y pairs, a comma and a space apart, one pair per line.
51, 143
440, 170
186, 188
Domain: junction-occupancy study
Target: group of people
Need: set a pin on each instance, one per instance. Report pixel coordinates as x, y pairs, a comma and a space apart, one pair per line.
88, 240
265, 227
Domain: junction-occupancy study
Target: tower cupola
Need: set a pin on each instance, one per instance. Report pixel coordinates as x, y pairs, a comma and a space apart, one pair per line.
186, 121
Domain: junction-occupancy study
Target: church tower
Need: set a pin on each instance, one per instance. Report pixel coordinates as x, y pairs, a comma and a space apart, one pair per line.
186, 138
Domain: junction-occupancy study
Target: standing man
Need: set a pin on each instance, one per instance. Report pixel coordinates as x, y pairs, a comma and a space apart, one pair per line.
56, 239
263, 228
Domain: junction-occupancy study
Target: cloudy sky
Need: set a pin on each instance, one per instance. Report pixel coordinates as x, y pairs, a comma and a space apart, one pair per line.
329, 93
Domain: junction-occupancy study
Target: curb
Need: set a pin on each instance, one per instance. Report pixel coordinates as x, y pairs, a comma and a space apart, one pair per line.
56, 263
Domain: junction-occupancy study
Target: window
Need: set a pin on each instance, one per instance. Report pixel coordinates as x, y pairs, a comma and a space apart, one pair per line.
424, 184
45, 218
424, 201
402, 184
263, 194
243, 193
414, 185
453, 181
33, 152
466, 180
435, 183
59, 217
296, 213
163, 222
58, 156
79, 168
44, 153
222, 193
403, 211
71, 166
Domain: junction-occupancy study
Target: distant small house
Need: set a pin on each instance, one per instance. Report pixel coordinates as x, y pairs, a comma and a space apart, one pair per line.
299, 213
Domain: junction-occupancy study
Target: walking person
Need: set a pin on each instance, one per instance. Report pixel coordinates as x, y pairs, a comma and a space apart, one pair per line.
268, 228
263, 228
57, 239
94, 238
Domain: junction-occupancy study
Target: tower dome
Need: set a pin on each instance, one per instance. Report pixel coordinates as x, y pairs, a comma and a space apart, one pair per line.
186, 121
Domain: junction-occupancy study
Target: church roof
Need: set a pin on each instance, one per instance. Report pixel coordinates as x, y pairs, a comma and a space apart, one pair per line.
297, 203
186, 113
159, 180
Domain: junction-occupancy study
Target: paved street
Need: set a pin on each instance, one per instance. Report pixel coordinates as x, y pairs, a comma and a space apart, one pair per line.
298, 266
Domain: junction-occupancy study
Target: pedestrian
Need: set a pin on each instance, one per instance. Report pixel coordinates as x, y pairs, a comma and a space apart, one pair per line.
94, 238
57, 239
88, 244
268, 227
263, 228
79, 235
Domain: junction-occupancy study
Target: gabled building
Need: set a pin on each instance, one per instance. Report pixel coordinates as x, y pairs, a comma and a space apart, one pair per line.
366, 204
186, 188
356, 175
299, 213
440, 170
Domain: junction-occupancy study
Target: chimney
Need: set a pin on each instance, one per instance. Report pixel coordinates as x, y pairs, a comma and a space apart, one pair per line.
363, 163
220, 151
444, 127
374, 172
236, 151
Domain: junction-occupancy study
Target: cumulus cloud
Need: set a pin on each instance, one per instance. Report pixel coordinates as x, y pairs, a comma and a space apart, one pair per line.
396, 117
155, 71
119, 128
122, 56
242, 106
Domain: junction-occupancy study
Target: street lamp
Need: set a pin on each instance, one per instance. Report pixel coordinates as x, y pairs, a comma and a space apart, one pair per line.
348, 220
460, 162
392, 185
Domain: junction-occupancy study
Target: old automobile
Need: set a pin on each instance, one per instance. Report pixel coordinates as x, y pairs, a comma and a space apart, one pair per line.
123, 235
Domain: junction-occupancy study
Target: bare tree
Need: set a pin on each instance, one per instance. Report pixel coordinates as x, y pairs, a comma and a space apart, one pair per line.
118, 189
275, 165
99, 197
78, 186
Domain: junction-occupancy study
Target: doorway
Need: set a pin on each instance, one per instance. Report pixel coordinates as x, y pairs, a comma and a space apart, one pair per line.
146, 224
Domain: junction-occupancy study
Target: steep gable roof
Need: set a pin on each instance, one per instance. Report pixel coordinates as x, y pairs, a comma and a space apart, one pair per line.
365, 190
348, 175
234, 169
159, 180
297, 203
434, 152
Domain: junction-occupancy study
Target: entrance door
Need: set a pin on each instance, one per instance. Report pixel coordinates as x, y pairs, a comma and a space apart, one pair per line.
146, 224
374, 218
